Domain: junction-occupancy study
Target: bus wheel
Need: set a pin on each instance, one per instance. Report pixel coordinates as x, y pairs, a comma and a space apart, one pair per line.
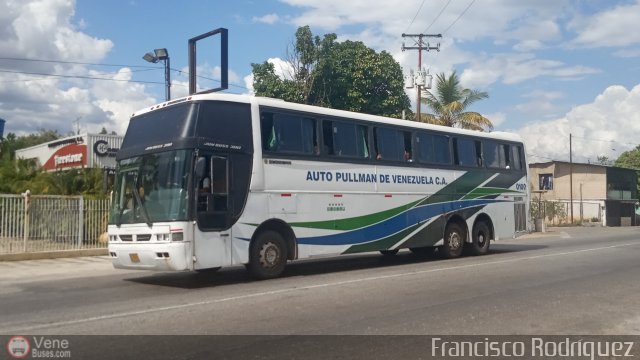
453, 241
480, 239
423, 251
268, 255
389, 252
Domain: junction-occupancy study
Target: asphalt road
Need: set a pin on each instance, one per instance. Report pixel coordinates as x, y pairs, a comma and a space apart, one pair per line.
569, 281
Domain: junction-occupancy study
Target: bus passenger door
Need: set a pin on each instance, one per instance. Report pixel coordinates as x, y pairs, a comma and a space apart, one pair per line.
212, 232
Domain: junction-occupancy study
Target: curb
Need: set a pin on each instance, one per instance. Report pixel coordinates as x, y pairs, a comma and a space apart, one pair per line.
53, 254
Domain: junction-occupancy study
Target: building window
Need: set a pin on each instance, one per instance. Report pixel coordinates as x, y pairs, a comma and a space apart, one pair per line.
546, 181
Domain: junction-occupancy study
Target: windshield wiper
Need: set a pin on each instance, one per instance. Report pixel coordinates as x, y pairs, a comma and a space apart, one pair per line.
136, 195
119, 218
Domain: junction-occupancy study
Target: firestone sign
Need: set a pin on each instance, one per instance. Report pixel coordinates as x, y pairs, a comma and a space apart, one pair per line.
70, 156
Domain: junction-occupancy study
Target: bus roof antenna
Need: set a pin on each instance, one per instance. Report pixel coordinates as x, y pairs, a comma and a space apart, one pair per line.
224, 60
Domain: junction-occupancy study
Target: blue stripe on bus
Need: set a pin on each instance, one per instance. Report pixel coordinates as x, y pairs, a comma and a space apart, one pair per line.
394, 224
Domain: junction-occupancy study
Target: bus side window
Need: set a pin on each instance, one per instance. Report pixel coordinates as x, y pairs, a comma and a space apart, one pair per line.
516, 151
219, 183
269, 132
347, 139
327, 137
467, 152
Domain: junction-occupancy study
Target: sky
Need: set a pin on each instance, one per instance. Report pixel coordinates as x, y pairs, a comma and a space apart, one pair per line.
551, 68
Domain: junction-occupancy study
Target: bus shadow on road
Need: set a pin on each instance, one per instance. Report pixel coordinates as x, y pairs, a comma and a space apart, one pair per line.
238, 274
320, 266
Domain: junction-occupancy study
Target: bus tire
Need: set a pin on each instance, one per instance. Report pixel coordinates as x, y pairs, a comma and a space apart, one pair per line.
480, 239
389, 252
453, 241
267, 255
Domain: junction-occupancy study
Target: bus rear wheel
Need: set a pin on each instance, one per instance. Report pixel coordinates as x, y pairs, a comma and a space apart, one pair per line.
267, 255
453, 241
480, 238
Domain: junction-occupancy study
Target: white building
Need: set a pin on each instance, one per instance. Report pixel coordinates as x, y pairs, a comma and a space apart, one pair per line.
77, 151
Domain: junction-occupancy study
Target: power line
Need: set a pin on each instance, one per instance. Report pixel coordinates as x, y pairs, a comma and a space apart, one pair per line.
143, 68
415, 16
437, 16
79, 77
603, 140
26, 73
459, 16
79, 63
212, 79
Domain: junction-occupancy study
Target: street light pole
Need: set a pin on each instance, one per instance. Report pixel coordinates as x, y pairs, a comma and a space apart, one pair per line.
154, 57
167, 78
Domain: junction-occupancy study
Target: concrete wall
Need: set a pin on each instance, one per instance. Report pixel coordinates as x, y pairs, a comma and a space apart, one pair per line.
589, 181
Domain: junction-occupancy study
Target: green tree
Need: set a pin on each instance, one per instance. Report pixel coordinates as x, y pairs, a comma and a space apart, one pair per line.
347, 76
356, 78
631, 160
18, 175
450, 103
11, 143
603, 160
303, 57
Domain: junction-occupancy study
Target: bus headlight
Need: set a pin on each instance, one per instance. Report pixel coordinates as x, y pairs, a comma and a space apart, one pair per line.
177, 236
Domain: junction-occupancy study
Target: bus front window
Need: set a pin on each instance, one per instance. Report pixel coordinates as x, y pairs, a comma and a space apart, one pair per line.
151, 188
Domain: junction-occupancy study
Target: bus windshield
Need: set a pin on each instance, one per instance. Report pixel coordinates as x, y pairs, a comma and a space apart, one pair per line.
151, 188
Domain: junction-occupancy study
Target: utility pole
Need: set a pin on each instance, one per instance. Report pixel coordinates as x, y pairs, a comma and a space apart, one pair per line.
77, 122
571, 178
420, 45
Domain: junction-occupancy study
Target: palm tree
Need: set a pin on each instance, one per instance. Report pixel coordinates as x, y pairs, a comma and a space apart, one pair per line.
450, 103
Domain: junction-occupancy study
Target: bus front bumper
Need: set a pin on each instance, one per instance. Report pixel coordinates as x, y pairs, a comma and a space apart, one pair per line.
151, 256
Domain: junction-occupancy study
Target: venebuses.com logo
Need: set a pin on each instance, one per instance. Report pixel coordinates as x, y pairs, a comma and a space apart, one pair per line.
18, 347
35, 347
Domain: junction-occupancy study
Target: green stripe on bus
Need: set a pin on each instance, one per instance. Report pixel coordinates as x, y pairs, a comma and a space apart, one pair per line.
487, 191
459, 187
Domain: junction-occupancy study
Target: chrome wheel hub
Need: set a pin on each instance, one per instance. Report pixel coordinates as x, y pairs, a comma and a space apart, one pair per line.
269, 255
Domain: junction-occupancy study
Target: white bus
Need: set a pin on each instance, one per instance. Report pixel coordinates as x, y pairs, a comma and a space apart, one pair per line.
220, 180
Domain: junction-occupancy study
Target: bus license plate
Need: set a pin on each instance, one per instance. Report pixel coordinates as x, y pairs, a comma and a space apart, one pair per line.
134, 257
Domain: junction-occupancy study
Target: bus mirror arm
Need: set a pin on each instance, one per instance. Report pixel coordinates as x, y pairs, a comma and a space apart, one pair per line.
201, 166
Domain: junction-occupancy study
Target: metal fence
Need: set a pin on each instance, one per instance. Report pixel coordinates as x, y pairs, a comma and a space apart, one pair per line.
32, 223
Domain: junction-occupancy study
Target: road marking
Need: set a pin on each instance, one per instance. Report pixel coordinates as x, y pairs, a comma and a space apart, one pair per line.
292, 289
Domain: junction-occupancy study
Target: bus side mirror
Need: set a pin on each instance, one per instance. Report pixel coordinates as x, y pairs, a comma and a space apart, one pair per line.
201, 166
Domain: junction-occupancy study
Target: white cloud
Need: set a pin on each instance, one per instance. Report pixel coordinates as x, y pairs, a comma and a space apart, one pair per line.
627, 53
282, 68
267, 19
42, 30
513, 69
497, 118
248, 83
541, 103
612, 27
118, 100
607, 126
